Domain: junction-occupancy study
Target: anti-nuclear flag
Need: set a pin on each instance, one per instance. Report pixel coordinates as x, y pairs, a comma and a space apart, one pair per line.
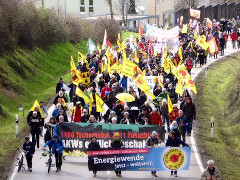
76, 79
36, 104
128, 68
99, 104
179, 87
85, 79
118, 41
80, 57
82, 95
180, 72
91, 46
213, 45
195, 13
164, 62
201, 41
190, 84
170, 106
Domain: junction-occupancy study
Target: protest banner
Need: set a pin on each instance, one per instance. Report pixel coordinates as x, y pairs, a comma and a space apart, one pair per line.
76, 136
153, 159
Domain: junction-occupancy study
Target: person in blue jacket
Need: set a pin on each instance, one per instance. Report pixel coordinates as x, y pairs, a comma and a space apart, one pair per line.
123, 83
57, 149
182, 125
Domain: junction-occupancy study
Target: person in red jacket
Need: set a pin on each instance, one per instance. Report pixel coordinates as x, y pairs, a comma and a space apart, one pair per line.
234, 38
155, 117
104, 89
77, 112
174, 114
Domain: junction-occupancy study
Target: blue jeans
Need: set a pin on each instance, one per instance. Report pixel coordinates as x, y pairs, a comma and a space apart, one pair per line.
189, 127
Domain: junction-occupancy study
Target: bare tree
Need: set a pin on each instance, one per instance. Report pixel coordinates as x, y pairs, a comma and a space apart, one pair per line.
109, 2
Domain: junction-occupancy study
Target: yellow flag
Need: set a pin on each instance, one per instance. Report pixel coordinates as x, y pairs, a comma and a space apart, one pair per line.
118, 41
86, 79
150, 94
124, 46
190, 84
141, 83
98, 48
99, 104
76, 79
128, 68
180, 72
201, 41
143, 53
179, 87
136, 56
82, 95
180, 53
90, 102
184, 29
80, 57
170, 106
40, 109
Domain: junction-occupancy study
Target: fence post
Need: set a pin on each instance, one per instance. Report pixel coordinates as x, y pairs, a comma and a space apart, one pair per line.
17, 129
212, 128
206, 73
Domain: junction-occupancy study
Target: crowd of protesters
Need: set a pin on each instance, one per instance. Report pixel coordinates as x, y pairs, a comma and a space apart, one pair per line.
141, 111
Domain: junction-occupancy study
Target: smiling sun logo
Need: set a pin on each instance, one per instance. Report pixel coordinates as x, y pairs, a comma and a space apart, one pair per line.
174, 159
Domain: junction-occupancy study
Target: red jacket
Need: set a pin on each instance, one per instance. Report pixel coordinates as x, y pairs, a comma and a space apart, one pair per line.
104, 89
156, 118
234, 36
76, 114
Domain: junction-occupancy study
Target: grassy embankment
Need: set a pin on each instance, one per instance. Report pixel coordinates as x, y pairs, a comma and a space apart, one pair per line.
219, 97
26, 76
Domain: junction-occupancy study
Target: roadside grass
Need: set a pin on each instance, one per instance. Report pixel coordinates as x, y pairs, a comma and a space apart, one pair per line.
26, 76
219, 97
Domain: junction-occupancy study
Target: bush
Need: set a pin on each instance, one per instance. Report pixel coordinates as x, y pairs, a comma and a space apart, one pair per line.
111, 27
23, 25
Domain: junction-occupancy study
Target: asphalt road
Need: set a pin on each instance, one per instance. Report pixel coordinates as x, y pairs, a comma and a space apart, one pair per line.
77, 168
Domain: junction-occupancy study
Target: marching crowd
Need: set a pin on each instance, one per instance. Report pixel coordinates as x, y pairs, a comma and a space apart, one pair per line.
142, 111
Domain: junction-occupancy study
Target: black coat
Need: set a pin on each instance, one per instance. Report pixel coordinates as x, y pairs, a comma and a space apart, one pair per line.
30, 147
189, 110
175, 142
116, 144
93, 146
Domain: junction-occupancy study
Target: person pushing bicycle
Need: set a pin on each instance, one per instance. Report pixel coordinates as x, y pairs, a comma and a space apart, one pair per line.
29, 149
57, 148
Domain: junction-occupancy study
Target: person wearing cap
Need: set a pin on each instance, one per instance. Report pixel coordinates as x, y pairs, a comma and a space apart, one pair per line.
174, 128
59, 85
174, 113
189, 111
211, 172
93, 146
151, 142
112, 114
57, 148
107, 100
85, 116
117, 144
77, 112
182, 126
35, 124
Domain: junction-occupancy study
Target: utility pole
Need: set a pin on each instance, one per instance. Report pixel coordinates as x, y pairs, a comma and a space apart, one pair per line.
42, 3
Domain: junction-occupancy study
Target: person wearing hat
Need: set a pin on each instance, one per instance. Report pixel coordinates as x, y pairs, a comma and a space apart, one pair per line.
93, 146
117, 144
151, 142
174, 114
112, 114
189, 111
77, 112
57, 148
105, 89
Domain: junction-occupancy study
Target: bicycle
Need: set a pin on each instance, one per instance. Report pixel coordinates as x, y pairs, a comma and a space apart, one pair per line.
20, 160
49, 163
